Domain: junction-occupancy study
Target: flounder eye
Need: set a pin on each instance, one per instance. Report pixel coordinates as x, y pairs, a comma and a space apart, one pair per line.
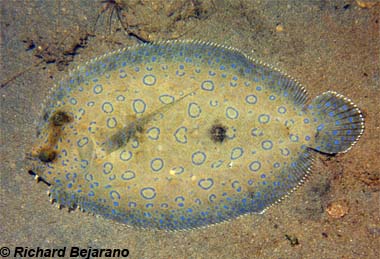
60, 118
47, 156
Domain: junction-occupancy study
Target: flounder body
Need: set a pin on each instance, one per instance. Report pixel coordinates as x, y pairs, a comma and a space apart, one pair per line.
185, 134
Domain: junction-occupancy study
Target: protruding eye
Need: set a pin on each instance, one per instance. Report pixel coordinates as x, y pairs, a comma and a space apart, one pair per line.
59, 118
47, 156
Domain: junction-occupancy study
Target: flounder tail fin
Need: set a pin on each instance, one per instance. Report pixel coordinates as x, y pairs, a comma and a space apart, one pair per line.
338, 123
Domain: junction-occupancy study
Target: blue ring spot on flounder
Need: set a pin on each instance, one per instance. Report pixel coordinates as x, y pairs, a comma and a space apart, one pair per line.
125, 155
236, 153
139, 106
149, 80
114, 195
180, 135
208, 85
211, 199
120, 98
122, 74
194, 110
251, 99
264, 118
148, 193
267, 144
98, 88
128, 175
206, 184
198, 158
285, 151
111, 122
166, 98
217, 164
232, 113
107, 167
132, 204
82, 142
293, 138
107, 107
214, 103
236, 185
156, 164
256, 132
281, 109
178, 170
255, 166
153, 133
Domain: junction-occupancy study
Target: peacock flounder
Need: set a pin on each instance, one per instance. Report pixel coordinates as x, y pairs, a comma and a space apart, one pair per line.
184, 134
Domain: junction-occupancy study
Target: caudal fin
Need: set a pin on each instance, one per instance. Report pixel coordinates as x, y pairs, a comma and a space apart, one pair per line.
339, 123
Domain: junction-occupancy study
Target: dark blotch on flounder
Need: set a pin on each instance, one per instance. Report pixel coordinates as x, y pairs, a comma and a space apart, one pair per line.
182, 135
218, 133
123, 136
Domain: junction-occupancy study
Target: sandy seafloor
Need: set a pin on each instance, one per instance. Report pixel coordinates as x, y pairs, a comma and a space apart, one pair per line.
327, 45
